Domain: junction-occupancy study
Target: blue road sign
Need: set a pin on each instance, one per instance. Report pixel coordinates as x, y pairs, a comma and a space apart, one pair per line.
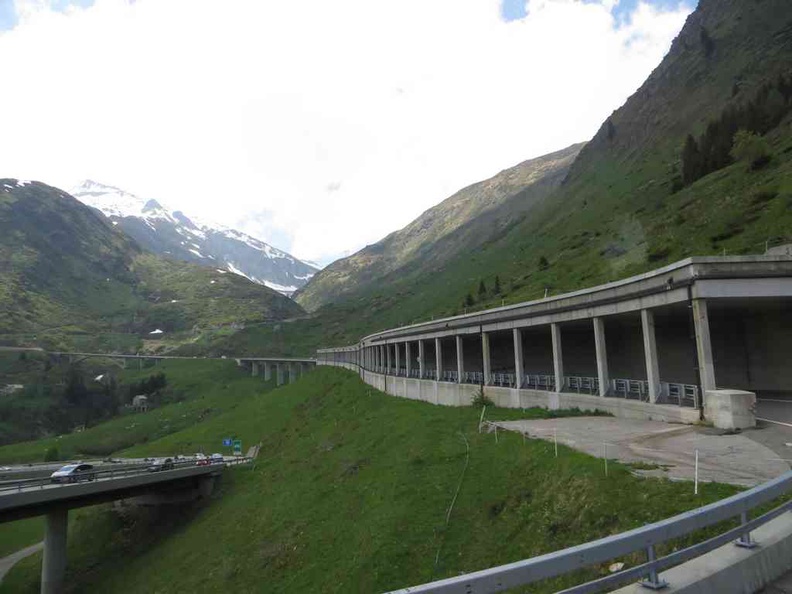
227, 441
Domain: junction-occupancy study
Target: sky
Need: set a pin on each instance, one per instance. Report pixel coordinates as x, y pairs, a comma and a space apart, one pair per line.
319, 127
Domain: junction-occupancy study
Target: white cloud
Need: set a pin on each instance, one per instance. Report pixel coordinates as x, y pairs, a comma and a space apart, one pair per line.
338, 121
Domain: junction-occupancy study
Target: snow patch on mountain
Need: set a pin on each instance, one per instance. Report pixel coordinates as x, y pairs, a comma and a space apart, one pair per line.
170, 232
280, 288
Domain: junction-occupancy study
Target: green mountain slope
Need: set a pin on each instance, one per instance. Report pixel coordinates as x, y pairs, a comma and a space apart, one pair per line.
621, 209
458, 225
351, 493
68, 279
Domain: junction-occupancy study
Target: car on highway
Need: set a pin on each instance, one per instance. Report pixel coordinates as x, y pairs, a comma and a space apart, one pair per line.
202, 460
216, 458
161, 464
74, 473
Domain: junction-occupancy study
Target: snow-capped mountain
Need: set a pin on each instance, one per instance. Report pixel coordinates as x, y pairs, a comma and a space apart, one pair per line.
172, 233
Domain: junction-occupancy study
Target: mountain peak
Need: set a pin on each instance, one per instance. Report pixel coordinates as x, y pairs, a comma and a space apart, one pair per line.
174, 234
152, 205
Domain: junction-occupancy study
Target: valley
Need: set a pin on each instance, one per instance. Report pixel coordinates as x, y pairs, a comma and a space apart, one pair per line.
639, 275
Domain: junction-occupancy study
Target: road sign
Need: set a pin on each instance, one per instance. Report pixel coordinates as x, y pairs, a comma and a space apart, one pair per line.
226, 441
237, 447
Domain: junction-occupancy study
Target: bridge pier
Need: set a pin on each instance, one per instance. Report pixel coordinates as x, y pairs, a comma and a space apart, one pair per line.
279, 367
267, 371
254, 370
53, 568
292, 372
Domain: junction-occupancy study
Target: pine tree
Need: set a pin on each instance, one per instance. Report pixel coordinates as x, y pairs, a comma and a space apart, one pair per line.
706, 42
482, 290
691, 161
543, 263
497, 289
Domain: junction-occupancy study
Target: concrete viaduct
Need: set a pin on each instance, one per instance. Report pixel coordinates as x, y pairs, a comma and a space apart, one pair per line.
34, 497
284, 369
700, 337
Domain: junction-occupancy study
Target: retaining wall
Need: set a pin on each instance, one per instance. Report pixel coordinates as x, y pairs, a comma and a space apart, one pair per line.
451, 394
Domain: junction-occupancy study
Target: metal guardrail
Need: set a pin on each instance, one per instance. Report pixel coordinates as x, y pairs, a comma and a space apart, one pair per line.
685, 395
646, 538
112, 473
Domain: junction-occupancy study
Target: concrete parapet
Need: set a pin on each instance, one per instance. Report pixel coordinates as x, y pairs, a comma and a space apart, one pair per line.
730, 409
453, 394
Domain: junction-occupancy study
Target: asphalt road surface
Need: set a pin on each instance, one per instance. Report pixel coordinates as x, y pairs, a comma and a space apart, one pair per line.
776, 408
774, 424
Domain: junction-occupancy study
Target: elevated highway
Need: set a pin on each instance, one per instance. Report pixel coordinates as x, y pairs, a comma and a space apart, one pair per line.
40, 496
284, 369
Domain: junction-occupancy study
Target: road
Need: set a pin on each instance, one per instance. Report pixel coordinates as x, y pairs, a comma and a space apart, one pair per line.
776, 408
774, 424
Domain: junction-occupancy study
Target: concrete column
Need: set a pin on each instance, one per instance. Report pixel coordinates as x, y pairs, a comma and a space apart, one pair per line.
487, 360
398, 358
53, 568
389, 369
267, 371
558, 357
140, 364
279, 372
408, 358
704, 346
460, 360
421, 358
382, 359
438, 359
602, 356
518, 357
254, 369
650, 352
292, 372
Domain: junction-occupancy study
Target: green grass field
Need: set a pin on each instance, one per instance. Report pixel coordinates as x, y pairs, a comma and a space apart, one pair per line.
350, 493
201, 389
208, 389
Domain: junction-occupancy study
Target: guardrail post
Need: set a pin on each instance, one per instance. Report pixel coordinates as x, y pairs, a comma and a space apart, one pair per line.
652, 581
745, 539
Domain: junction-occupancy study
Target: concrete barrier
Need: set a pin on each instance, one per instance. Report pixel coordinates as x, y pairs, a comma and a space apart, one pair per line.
730, 409
452, 394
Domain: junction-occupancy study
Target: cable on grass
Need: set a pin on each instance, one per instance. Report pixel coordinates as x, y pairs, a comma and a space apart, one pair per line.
453, 501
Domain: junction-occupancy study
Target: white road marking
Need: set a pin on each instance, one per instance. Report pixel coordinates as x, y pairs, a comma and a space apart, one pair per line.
774, 422
773, 400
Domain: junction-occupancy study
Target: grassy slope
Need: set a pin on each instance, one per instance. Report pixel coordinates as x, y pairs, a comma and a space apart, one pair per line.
18, 535
350, 494
460, 224
68, 279
206, 389
209, 389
